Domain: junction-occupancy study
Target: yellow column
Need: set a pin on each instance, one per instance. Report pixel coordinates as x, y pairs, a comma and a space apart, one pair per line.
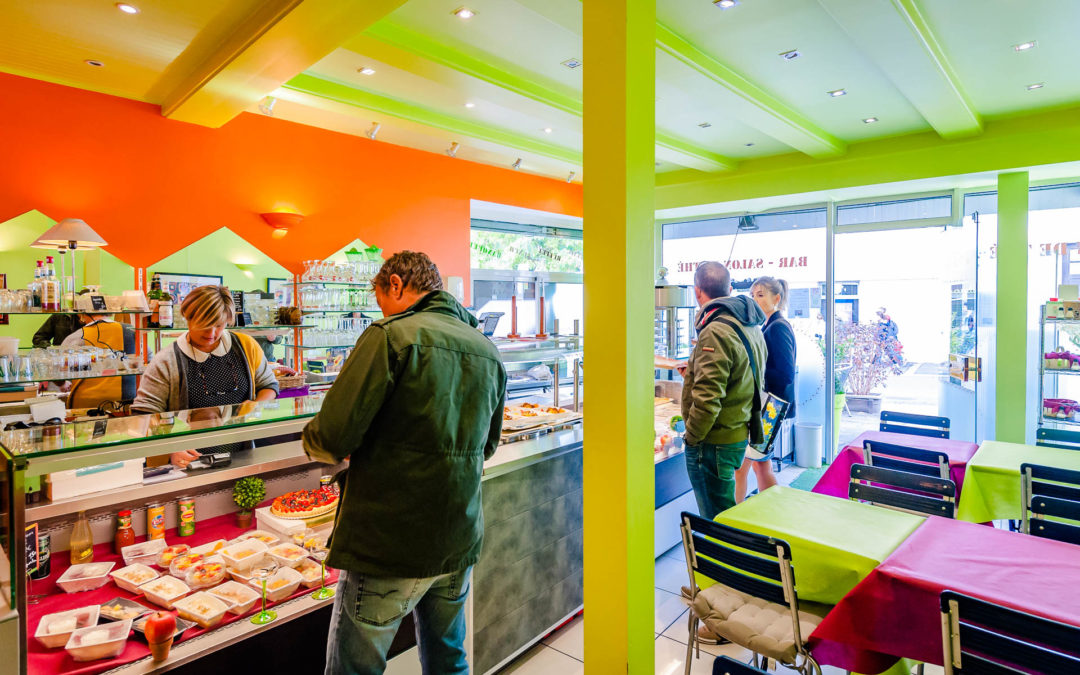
619, 58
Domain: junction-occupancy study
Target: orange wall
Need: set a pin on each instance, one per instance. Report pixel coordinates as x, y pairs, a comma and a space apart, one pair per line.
150, 186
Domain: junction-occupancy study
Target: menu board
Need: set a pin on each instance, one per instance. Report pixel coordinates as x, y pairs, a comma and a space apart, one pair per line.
31, 548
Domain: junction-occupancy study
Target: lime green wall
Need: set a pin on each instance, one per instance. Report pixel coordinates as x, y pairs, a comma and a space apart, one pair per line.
218, 253
1011, 321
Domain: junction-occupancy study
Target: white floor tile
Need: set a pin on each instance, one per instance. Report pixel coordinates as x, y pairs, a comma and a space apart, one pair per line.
669, 607
543, 660
671, 659
671, 575
678, 632
570, 639
675, 553
405, 663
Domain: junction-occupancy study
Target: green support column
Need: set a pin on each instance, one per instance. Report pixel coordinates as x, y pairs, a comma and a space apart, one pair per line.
619, 58
1010, 362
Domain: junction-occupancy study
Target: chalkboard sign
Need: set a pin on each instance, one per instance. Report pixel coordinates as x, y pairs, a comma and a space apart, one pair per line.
98, 302
238, 301
31, 548
100, 427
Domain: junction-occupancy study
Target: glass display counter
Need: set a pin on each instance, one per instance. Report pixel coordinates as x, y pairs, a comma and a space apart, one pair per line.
561, 354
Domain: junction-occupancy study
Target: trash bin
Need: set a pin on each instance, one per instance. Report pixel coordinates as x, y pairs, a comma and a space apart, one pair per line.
808, 445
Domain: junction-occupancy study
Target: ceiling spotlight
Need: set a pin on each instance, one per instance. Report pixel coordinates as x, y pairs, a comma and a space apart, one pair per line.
1024, 46
1037, 85
266, 106
572, 63
837, 92
570, 178
366, 71
870, 120
470, 104
452, 150
463, 13
725, 4
94, 62
126, 8
790, 55
517, 164
705, 125
548, 130
373, 131
749, 145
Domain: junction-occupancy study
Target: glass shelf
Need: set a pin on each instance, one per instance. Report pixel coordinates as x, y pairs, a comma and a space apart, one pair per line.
232, 328
292, 346
1055, 420
339, 311
39, 312
1060, 371
61, 377
348, 284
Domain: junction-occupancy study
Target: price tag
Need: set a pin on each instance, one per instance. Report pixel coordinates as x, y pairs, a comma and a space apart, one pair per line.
31, 548
98, 303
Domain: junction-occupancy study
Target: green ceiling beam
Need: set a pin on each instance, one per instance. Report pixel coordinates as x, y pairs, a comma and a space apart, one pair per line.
896, 36
755, 106
386, 105
678, 151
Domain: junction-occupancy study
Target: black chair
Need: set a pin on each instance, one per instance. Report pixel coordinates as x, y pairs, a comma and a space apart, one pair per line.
725, 665
1058, 438
981, 638
902, 491
1048, 492
744, 566
914, 425
903, 458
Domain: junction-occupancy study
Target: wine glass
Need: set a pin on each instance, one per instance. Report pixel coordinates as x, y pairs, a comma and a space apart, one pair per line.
316, 548
263, 571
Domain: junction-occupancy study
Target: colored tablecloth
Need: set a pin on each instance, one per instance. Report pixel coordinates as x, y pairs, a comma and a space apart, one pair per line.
834, 543
992, 482
835, 480
895, 612
41, 660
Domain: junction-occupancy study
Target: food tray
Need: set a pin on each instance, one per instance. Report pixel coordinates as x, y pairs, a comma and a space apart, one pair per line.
238, 596
107, 644
311, 572
291, 578
131, 577
169, 553
182, 563
119, 609
287, 555
145, 552
139, 626
209, 548
84, 617
164, 591
208, 573
244, 555
202, 608
85, 577
265, 536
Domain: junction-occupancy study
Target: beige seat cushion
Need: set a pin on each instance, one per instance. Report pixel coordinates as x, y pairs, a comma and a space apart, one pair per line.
760, 626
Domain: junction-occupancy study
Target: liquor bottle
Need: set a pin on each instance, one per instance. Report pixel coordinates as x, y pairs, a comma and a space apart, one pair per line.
82, 541
35, 285
153, 296
50, 288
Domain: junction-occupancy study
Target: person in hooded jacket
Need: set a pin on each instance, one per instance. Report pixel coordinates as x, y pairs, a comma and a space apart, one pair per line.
720, 388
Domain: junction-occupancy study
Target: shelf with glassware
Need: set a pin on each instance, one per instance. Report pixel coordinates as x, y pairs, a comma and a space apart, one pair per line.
1059, 323
96, 467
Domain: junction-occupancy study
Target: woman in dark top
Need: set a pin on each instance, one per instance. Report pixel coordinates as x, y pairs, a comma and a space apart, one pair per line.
771, 295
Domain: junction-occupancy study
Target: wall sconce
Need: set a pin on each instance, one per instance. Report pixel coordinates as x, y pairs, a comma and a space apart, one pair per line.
245, 267
281, 222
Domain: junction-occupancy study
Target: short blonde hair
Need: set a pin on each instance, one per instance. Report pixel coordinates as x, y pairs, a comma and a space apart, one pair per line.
208, 306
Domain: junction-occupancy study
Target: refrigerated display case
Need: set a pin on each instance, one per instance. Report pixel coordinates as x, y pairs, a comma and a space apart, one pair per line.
673, 325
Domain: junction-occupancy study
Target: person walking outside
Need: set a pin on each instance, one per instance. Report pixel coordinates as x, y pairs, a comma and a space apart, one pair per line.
771, 296
417, 408
721, 396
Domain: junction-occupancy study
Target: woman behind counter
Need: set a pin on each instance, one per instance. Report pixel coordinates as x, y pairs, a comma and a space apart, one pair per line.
771, 295
206, 366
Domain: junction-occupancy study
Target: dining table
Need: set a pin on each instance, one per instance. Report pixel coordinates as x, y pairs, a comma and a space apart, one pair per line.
894, 612
992, 482
836, 478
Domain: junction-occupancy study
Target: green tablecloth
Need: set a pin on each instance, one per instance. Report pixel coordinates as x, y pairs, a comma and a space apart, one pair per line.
992, 480
835, 543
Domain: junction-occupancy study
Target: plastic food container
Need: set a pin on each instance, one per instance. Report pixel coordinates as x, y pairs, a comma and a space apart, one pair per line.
202, 608
265, 536
85, 577
169, 553
287, 555
205, 574
119, 609
210, 548
243, 555
238, 596
280, 584
311, 571
182, 563
54, 629
164, 591
99, 642
145, 552
139, 626
243, 577
131, 577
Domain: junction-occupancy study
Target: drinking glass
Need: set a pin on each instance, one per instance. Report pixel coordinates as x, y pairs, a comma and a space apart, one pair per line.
24, 368
262, 572
6, 369
316, 548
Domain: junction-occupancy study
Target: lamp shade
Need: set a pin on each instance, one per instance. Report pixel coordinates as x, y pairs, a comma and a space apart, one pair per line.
70, 230
282, 221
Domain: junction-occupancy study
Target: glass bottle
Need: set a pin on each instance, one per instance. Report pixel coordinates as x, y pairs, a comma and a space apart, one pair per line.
35, 285
50, 288
82, 541
125, 535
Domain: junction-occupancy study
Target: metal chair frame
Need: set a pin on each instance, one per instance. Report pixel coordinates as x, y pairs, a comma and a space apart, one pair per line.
981, 638
725, 665
914, 425
1047, 493
753, 564
905, 458
908, 492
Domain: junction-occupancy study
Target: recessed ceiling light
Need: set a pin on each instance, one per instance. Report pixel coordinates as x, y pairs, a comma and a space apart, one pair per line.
790, 55
517, 164
725, 4
1037, 85
1024, 46
572, 63
705, 125
838, 92
366, 70
870, 120
126, 8
470, 104
464, 13
749, 145
548, 130
94, 62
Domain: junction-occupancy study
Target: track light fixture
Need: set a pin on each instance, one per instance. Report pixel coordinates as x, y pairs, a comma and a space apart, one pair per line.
570, 178
517, 164
374, 130
452, 150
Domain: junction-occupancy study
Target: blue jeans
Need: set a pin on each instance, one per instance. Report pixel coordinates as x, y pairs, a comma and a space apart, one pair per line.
368, 611
711, 468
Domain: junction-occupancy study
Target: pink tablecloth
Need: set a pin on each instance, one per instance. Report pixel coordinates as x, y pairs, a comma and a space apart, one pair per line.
835, 480
894, 612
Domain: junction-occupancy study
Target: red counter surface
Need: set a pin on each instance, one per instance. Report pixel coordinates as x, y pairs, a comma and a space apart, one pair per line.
43, 661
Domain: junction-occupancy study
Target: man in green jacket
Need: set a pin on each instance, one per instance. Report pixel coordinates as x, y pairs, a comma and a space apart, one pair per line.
718, 388
417, 409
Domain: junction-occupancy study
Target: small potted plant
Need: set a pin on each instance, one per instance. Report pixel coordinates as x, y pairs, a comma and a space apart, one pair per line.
354, 255
247, 493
